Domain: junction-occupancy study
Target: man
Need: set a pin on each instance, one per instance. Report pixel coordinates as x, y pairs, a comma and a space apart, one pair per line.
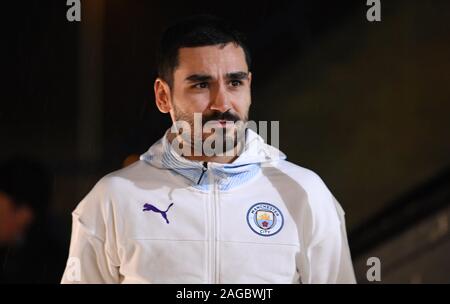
211, 206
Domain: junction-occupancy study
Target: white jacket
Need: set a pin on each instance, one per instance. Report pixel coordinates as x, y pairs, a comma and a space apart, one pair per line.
165, 219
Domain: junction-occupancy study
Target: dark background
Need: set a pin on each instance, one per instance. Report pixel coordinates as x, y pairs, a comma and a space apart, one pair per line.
365, 105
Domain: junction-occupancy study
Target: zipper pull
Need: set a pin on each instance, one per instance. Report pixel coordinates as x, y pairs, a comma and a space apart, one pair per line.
204, 169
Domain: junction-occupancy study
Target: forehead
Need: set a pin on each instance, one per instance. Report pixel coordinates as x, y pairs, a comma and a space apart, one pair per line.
211, 59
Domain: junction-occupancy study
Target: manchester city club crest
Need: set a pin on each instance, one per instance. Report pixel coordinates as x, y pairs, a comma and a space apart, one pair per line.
265, 219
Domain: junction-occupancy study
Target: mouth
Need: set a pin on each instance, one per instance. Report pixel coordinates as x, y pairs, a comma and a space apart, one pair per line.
221, 123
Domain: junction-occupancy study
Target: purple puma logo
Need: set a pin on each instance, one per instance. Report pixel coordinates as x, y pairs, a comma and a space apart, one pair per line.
150, 207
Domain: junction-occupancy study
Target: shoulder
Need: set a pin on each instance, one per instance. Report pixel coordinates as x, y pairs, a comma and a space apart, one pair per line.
123, 180
113, 183
308, 180
306, 187
112, 192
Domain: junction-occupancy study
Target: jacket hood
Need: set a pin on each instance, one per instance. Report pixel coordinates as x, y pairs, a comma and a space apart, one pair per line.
255, 153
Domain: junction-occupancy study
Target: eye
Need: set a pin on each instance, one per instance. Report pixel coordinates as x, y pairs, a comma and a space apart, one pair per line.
201, 85
236, 83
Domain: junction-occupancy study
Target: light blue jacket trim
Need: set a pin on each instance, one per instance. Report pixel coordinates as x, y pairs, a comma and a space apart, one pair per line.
227, 176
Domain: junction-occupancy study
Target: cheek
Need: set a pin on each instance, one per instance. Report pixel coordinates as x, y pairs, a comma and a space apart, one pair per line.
190, 102
242, 103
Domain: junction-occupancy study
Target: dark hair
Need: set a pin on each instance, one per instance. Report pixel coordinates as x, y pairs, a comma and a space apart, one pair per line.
196, 31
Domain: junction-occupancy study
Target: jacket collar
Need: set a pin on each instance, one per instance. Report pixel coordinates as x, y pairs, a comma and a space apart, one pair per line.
254, 154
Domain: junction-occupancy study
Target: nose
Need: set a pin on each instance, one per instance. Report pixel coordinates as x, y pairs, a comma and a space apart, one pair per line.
220, 99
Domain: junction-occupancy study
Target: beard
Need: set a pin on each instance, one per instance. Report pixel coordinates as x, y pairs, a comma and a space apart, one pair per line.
214, 133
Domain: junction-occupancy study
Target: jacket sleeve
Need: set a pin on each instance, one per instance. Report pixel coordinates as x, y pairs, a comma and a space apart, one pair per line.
326, 258
91, 259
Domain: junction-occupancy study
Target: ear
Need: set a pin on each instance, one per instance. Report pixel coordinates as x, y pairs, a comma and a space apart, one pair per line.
162, 95
249, 78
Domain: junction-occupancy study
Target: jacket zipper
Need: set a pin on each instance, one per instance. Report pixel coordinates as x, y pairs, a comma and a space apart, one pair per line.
216, 233
213, 237
204, 169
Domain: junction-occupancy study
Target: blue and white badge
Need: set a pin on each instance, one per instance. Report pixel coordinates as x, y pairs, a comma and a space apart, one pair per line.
265, 219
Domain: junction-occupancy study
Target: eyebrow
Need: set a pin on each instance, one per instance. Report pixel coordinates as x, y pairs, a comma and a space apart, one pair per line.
237, 75
198, 78
240, 75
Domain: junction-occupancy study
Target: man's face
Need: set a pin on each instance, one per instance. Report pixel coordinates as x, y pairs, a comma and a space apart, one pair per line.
213, 81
